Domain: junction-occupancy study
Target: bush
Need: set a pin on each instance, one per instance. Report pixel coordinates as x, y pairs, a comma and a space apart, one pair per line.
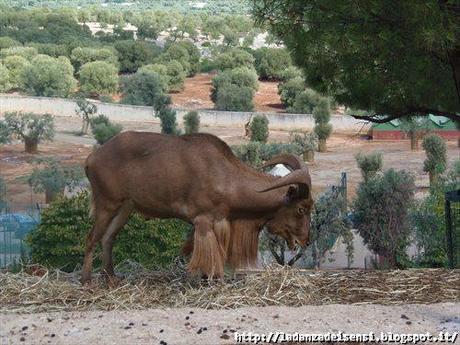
270, 63
98, 78
5, 79
162, 72
134, 54
259, 129
254, 153
192, 122
381, 215
176, 74
436, 156
31, 128
289, 90
323, 128
103, 129
59, 239
50, 77
234, 98
240, 76
51, 178
307, 141
16, 66
5, 133
26, 52
234, 58
369, 164
82, 55
142, 88
8, 42
305, 102
167, 117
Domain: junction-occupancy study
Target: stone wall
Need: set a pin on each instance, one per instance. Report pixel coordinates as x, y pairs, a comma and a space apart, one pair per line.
120, 112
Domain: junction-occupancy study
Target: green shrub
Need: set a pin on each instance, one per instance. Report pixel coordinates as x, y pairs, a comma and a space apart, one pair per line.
381, 215
307, 141
59, 239
5, 133
50, 77
192, 122
234, 58
99, 78
142, 88
241, 77
5, 79
436, 156
369, 164
16, 66
103, 129
167, 117
289, 90
259, 129
270, 63
234, 98
305, 102
254, 153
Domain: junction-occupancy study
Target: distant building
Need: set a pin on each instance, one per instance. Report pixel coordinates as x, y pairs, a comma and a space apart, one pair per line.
391, 130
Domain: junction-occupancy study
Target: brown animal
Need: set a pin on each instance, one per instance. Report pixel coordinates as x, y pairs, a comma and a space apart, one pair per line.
195, 178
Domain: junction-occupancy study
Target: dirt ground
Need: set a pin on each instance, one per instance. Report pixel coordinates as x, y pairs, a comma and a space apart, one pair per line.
210, 327
198, 88
325, 171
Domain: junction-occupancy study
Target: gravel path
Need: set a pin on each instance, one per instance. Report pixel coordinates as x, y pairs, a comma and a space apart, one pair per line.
195, 326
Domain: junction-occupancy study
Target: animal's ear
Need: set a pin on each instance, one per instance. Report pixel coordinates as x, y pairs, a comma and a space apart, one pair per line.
291, 195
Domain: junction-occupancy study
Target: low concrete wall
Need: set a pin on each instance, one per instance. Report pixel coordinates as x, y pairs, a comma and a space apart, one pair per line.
121, 112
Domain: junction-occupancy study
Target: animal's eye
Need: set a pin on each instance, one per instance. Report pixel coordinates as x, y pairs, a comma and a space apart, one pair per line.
300, 210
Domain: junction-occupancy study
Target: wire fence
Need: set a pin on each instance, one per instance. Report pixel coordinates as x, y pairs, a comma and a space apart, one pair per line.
16, 221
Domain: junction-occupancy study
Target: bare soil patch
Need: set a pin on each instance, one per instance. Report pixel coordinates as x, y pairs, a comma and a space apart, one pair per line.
197, 89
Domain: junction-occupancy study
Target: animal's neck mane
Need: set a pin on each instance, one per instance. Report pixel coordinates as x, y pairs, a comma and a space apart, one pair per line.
244, 243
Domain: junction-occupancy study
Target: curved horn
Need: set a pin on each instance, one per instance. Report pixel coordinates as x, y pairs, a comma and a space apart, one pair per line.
299, 177
292, 161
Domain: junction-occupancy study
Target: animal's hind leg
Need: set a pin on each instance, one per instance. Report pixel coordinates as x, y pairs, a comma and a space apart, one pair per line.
208, 254
103, 218
108, 239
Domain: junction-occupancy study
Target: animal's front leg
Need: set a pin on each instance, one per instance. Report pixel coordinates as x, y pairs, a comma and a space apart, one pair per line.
208, 255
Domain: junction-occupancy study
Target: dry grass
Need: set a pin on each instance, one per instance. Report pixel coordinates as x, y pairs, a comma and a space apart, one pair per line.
55, 290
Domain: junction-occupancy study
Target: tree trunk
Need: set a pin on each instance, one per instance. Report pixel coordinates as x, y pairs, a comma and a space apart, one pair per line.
31, 145
322, 145
414, 141
309, 156
84, 127
51, 195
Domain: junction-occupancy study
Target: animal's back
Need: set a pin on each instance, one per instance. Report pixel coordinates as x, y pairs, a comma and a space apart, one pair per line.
169, 165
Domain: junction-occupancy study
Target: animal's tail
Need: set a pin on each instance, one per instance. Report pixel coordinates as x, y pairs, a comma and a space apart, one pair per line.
92, 204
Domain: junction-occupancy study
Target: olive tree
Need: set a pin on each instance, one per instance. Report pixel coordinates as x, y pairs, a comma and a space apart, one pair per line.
31, 128
49, 176
5, 79
48, 76
381, 215
98, 78
259, 129
436, 156
86, 110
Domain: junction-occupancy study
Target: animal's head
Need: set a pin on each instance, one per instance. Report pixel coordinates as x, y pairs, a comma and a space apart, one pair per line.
292, 220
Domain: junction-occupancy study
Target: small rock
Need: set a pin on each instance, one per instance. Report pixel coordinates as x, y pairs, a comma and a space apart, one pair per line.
131, 323
161, 330
404, 317
144, 324
187, 317
408, 323
162, 342
49, 319
232, 330
276, 316
225, 330
187, 324
225, 336
127, 327
52, 335
191, 312
22, 339
199, 331
86, 329
25, 328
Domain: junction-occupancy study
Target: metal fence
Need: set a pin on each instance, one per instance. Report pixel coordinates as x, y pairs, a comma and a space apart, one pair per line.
453, 228
16, 221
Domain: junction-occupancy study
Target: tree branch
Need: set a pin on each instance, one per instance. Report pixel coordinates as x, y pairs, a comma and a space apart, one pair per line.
415, 111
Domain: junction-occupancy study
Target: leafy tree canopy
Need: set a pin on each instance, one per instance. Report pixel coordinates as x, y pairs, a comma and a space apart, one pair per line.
394, 58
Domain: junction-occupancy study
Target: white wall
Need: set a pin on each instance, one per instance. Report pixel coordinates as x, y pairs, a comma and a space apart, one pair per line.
120, 112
